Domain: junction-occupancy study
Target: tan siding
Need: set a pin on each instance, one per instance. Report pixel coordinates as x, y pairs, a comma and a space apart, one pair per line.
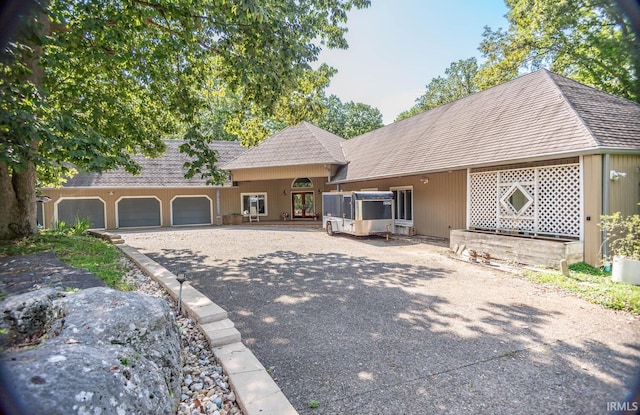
592, 208
439, 205
625, 192
277, 200
275, 173
164, 194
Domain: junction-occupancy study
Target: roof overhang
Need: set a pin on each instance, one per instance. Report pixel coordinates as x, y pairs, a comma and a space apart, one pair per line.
550, 156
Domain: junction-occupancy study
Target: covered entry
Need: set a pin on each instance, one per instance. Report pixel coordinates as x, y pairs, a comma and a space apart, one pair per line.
302, 200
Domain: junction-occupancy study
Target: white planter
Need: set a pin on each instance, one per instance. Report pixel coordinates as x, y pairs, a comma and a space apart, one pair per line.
626, 270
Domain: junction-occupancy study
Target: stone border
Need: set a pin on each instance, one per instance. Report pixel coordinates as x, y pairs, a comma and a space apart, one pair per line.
256, 392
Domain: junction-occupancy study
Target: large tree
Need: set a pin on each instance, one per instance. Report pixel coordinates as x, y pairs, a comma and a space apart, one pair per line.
591, 41
90, 82
348, 119
458, 82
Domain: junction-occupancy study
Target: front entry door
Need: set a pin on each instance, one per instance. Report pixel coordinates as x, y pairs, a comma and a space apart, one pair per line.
302, 205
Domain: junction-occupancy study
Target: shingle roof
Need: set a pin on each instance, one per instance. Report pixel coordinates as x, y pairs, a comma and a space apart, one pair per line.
301, 144
164, 171
537, 115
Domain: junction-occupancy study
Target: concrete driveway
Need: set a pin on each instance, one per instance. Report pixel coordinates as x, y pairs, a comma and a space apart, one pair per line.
366, 326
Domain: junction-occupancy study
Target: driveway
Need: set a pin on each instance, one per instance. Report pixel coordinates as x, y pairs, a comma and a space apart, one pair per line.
366, 326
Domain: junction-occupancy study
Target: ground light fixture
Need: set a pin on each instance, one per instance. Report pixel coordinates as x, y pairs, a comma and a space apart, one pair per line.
181, 277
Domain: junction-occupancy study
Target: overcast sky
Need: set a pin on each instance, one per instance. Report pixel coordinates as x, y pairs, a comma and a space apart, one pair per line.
397, 46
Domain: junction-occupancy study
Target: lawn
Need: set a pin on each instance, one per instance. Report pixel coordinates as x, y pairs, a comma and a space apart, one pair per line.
593, 285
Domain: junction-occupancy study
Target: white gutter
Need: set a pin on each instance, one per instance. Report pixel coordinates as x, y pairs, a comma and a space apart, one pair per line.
606, 188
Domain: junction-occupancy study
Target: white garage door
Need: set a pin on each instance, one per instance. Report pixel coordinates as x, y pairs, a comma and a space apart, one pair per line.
191, 210
138, 212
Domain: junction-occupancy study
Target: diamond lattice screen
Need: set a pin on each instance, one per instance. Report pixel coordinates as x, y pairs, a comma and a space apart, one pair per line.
539, 201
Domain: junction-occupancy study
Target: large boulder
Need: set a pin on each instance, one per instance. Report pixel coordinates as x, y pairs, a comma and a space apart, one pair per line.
97, 351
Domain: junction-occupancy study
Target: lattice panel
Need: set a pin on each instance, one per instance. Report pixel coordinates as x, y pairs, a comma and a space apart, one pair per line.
484, 200
559, 200
548, 200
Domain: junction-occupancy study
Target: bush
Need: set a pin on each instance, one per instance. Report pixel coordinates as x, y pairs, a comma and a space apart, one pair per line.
623, 235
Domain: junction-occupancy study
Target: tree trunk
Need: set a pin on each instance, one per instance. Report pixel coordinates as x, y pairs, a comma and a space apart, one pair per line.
18, 202
18, 184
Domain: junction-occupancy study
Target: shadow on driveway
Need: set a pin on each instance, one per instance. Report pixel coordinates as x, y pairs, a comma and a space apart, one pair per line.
364, 336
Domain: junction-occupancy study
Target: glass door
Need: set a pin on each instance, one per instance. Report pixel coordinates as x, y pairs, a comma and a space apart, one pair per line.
302, 205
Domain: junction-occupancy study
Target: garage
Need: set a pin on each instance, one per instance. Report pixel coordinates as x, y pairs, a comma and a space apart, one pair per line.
68, 209
135, 212
190, 210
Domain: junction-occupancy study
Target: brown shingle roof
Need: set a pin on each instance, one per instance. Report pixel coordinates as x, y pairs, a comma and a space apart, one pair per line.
301, 144
537, 115
164, 171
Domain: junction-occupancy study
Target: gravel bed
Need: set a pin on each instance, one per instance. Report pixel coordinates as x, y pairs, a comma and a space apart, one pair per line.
205, 387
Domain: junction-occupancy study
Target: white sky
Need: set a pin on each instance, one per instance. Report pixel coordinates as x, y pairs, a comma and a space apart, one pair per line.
397, 46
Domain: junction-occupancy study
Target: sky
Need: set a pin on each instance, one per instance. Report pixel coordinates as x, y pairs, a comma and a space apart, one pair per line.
397, 46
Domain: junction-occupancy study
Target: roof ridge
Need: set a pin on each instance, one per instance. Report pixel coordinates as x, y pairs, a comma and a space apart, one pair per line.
566, 99
322, 143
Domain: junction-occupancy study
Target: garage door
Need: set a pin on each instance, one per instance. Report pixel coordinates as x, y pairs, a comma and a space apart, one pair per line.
138, 212
191, 211
70, 209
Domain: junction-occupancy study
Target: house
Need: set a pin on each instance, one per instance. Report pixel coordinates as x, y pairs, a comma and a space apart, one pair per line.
159, 196
522, 170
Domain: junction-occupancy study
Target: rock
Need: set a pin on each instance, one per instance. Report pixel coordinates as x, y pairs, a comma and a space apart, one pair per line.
27, 317
113, 352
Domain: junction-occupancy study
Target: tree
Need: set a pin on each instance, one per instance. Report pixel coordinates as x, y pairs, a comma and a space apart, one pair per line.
591, 41
349, 119
89, 83
460, 81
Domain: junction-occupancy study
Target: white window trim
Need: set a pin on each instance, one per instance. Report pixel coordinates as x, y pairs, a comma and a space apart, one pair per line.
266, 205
138, 197
186, 196
55, 207
404, 222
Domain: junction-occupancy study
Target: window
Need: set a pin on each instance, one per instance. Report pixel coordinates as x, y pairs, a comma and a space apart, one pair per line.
258, 201
302, 182
403, 197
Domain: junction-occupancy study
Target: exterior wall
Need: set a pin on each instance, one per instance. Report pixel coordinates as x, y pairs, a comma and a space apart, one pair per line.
279, 197
625, 192
592, 205
110, 197
275, 173
439, 205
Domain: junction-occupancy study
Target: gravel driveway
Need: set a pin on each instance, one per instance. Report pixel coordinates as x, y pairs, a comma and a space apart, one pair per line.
366, 326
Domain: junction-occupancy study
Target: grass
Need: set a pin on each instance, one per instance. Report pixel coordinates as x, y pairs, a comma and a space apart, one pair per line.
96, 255
593, 285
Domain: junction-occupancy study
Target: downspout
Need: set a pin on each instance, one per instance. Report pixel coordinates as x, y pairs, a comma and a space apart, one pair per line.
218, 216
605, 199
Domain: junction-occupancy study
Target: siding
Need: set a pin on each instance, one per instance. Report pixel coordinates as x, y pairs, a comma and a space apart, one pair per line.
438, 206
110, 196
592, 205
277, 201
625, 192
276, 173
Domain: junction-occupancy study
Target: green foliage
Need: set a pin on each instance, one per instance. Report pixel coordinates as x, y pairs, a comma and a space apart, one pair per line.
584, 268
313, 404
96, 255
348, 120
459, 81
591, 41
88, 84
79, 227
623, 234
593, 286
